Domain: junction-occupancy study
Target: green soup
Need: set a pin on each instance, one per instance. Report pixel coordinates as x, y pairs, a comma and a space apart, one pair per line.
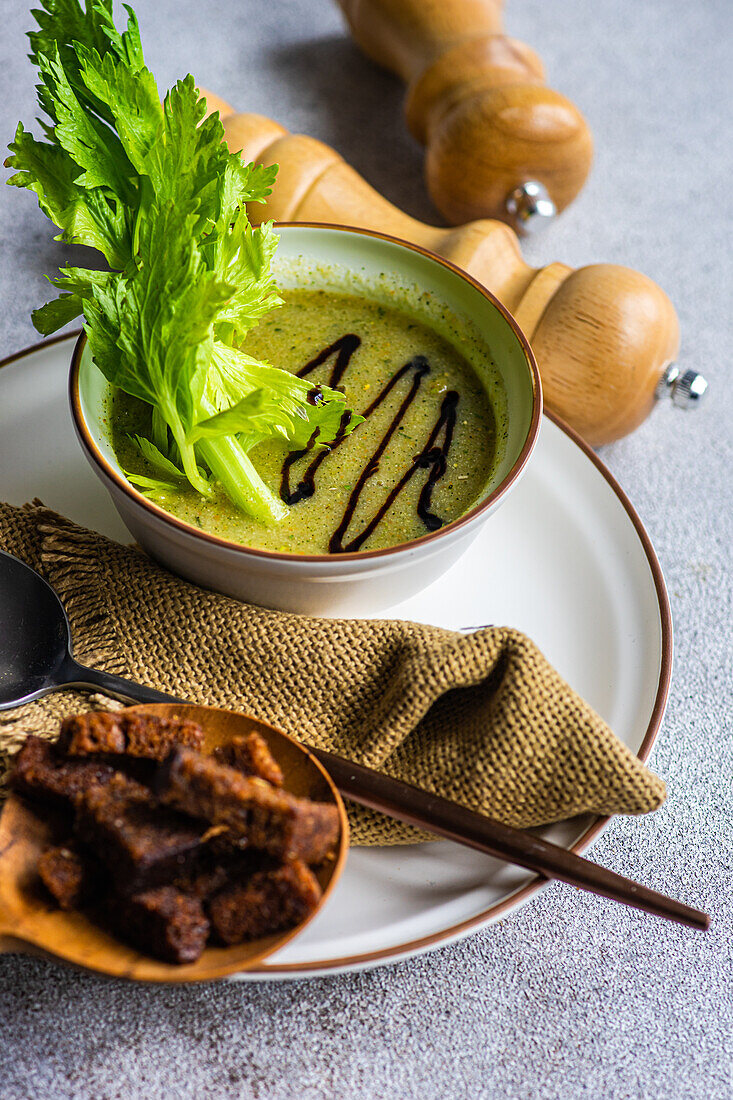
421, 459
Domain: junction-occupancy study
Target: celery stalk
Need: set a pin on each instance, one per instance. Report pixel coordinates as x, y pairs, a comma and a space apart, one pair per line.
239, 479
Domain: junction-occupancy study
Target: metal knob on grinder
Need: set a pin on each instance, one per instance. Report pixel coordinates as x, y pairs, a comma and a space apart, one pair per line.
686, 389
530, 208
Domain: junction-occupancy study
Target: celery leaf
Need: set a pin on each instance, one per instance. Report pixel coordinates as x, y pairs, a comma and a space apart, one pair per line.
156, 191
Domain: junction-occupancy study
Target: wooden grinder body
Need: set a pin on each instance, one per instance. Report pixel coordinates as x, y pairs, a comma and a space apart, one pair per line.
477, 100
603, 335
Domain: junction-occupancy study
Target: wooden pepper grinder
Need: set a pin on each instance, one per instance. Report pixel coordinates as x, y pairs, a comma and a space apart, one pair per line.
500, 143
604, 336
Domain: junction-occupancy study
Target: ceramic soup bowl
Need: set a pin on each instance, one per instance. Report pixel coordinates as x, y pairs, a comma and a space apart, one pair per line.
434, 292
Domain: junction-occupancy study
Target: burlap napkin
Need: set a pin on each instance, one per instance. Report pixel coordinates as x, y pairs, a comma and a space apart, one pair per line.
482, 719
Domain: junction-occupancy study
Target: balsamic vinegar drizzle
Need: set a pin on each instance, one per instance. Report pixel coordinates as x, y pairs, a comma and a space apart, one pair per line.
433, 457
344, 348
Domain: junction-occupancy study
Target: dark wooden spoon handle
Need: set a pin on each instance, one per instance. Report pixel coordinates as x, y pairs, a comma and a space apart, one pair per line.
447, 819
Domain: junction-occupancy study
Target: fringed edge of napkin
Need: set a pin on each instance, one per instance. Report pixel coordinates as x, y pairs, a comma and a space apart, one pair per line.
59, 544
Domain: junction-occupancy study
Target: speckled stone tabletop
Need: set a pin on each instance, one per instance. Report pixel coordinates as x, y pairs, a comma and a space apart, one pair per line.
572, 996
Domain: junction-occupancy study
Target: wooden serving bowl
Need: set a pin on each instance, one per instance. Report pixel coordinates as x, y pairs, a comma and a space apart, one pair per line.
30, 922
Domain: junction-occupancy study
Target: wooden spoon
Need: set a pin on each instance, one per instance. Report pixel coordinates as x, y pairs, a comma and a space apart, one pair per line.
29, 921
35, 658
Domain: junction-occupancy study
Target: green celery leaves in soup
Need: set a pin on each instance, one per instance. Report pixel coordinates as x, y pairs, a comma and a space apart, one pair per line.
421, 458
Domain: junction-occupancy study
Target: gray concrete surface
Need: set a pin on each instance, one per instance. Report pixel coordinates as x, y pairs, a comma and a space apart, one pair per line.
572, 997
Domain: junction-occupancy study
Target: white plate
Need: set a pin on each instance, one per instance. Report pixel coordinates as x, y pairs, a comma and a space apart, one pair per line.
565, 559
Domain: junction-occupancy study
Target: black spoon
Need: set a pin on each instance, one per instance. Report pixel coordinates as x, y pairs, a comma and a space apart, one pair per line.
35, 645
36, 658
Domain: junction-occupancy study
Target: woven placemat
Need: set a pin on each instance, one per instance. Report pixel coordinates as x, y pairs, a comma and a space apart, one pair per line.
482, 718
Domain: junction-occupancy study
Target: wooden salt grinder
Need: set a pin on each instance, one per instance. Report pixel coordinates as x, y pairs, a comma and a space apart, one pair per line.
500, 143
604, 336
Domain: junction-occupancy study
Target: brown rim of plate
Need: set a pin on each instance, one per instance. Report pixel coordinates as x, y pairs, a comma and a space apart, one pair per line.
94, 453
584, 841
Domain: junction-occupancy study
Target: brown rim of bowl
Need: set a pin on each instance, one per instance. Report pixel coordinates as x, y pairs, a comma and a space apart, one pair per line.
524, 893
122, 483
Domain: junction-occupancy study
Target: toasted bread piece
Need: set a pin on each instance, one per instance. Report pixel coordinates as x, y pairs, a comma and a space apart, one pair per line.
250, 754
117, 733
70, 876
42, 774
273, 820
141, 844
269, 902
164, 922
